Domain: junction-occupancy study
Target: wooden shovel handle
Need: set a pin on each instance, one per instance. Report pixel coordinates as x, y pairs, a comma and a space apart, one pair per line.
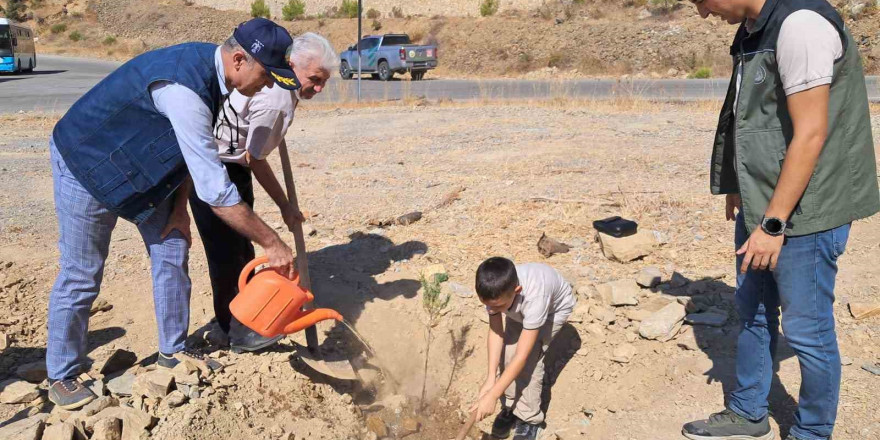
302, 261
462, 433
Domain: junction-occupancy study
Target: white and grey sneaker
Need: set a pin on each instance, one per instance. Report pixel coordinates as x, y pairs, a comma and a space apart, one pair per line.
70, 394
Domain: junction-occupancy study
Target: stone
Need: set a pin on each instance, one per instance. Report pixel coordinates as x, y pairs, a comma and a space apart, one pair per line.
637, 315
191, 379
376, 425
864, 310
18, 391
625, 249
100, 305
408, 219
156, 383
33, 372
597, 331
845, 361
857, 8
108, 429
699, 288
134, 422
120, 360
580, 313
4, 341
549, 247
872, 368
603, 315
59, 431
460, 290
649, 277
30, 428
121, 386
678, 280
619, 293
687, 340
175, 398
623, 353
708, 318
309, 230
96, 385
409, 426
664, 324
98, 405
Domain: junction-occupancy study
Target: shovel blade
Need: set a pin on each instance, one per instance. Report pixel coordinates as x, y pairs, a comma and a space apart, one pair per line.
337, 369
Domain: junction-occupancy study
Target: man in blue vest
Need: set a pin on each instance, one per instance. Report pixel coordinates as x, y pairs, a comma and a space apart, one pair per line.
794, 156
127, 149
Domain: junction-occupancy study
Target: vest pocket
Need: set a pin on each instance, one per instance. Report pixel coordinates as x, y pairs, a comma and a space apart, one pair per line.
114, 171
106, 177
165, 148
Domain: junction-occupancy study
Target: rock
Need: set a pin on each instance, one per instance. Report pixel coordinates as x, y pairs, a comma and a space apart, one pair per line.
623, 353
664, 324
845, 361
156, 383
625, 249
698, 288
376, 425
687, 340
872, 368
672, 72
191, 379
408, 219
857, 8
4, 341
309, 230
18, 391
677, 280
619, 293
637, 315
120, 360
59, 431
121, 386
409, 426
134, 422
100, 305
33, 372
460, 290
708, 318
603, 315
649, 277
30, 428
597, 331
435, 271
580, 313
864, 310
549, 247
645, 14
96, 385
108, 429
98, 405
175, 398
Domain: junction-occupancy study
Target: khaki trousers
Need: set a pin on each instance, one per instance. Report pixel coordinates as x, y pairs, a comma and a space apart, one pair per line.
523, 395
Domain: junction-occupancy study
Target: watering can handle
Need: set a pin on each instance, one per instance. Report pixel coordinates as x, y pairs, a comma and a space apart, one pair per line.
248, 268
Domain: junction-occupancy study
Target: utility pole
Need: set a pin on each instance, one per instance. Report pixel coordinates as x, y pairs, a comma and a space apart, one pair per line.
360, 9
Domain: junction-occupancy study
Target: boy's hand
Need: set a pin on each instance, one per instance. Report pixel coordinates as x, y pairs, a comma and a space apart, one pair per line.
484, 407
490, 382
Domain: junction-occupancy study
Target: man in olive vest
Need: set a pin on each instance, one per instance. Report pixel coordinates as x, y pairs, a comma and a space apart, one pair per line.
794, 156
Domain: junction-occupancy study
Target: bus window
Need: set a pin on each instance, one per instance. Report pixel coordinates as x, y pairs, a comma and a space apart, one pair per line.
5, 41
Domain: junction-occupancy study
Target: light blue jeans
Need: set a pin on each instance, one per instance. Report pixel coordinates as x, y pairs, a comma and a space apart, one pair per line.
84, 229
803, 287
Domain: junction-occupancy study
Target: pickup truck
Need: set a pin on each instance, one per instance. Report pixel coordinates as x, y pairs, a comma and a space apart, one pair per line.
384, 55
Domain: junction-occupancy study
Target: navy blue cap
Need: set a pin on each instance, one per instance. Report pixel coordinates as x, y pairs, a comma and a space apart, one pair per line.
269, 44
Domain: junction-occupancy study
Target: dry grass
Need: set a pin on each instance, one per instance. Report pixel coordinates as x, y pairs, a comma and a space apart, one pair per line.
27, 122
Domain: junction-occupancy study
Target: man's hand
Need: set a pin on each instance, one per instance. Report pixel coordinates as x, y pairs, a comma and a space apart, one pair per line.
485, 406
761, 251
291, 216
280, 258
179, 220
734, 201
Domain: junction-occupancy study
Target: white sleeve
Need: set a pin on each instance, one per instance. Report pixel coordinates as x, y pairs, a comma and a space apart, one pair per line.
807, 47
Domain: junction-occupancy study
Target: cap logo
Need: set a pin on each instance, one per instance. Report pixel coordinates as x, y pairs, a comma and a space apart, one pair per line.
256, 47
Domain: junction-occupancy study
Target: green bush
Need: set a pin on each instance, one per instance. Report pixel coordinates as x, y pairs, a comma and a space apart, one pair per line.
349, 9
377, 25
259, 8
397, 12
488, 7
59, 28
701, 73
373, 14
294, 9
75, 36
15, 10
110, 40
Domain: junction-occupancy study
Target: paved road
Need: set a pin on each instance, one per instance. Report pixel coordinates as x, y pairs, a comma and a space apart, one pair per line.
59, 81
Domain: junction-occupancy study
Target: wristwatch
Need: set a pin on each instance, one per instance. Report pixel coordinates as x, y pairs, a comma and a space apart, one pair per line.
773, 226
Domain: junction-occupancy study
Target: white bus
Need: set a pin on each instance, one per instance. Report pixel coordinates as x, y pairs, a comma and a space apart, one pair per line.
17, 51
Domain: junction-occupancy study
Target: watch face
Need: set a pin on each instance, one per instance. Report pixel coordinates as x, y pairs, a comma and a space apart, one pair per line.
773, 225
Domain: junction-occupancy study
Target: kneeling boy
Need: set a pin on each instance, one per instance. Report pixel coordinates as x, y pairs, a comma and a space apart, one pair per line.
536, 301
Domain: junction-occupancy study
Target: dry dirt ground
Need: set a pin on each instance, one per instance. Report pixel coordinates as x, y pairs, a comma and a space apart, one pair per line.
641, 160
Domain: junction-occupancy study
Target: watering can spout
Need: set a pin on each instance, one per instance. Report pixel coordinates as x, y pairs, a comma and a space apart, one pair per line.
311, 318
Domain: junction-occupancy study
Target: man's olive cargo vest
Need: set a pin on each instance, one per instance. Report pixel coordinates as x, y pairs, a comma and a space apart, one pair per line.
751, 142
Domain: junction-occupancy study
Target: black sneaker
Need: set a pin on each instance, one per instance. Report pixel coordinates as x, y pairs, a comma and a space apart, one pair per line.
70, 394
242, 338
503, 423
198, 360
728, 425
526, 431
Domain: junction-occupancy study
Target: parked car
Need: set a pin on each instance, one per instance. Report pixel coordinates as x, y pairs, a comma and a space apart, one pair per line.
384, 55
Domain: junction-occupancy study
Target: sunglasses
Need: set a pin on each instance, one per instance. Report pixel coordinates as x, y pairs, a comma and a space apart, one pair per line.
696, 2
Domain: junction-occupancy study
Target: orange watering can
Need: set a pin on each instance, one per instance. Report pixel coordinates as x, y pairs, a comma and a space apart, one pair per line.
271, 305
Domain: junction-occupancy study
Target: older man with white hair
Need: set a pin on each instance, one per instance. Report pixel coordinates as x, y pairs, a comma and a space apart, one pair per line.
247, 131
